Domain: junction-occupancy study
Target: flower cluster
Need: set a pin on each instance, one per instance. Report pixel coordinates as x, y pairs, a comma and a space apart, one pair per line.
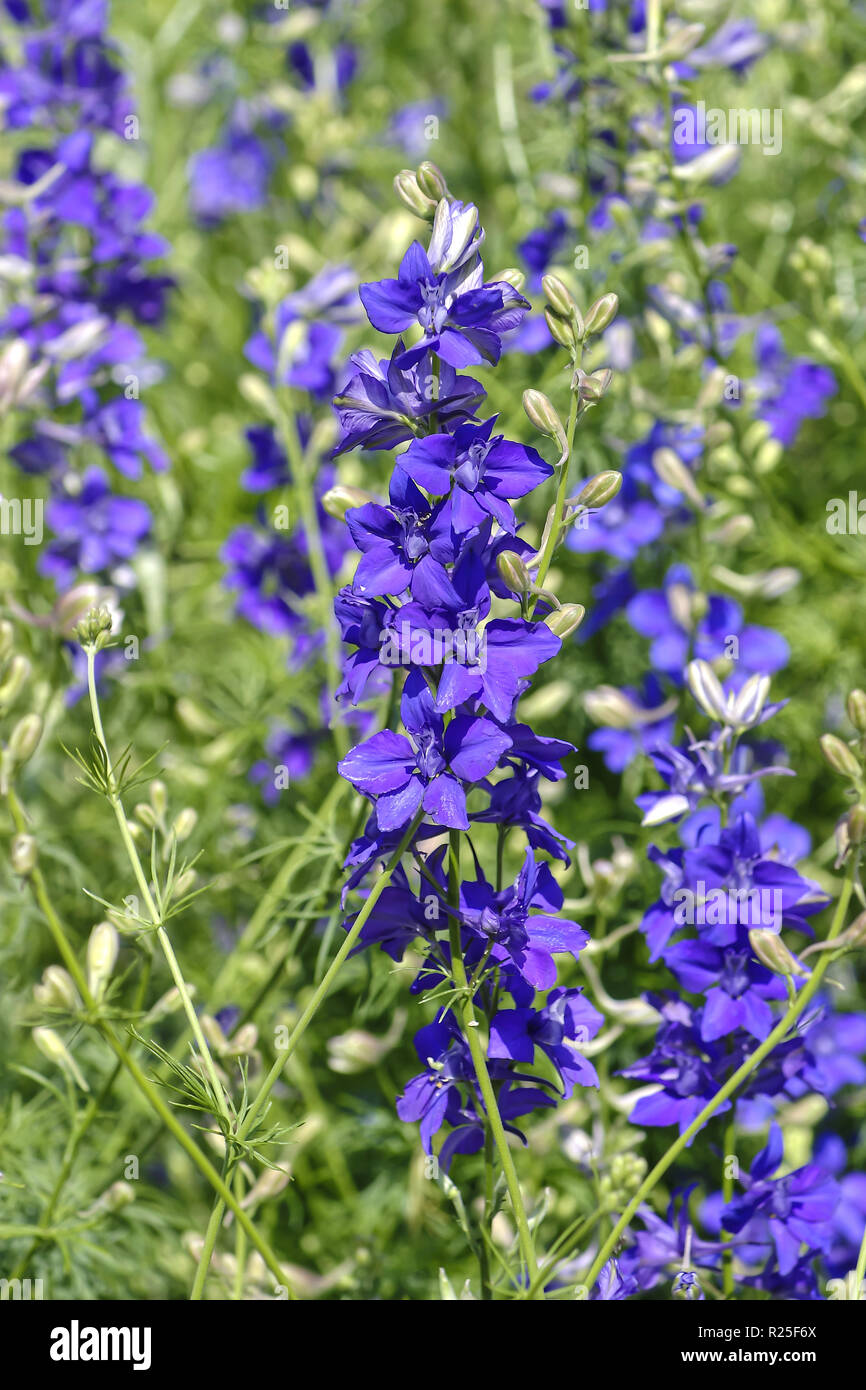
436, 562
77, 278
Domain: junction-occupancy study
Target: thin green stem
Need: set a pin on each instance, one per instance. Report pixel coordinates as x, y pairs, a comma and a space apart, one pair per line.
153, 910
732, 1085
318, 564
151, 1095
561, 494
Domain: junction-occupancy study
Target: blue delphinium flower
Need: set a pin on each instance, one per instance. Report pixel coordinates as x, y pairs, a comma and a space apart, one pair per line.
418, 610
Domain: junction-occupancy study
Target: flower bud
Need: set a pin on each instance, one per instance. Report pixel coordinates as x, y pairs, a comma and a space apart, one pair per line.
145, 815
840, 757
600, 490
566, 620
24, 738
853, 938
671, 469
340, 499
856, 705
167, 1004
513, 572
511, 276
772, 952
16, 676
681, 42
561, 330
257, 393
410, 195
857, 824
94, 628
540, 412
611, 707
431, 180
23, 855
7, 638
591, 387
600, 314
52, 1046
558, 296
184, 824
102, 949
57, 990
184, 884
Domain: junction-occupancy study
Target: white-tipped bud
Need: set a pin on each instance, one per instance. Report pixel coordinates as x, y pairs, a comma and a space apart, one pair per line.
341, 499
671, 469
57, 990
611, 707
566, 620
102, 949
52, 1046
715, 163
412, 197
23, 855
840, 757
184, 824
772, 952
24, 738
15, 677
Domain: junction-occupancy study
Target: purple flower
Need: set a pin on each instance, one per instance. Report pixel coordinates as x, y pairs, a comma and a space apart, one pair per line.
94, 530
479, 470
383, 404
430, 770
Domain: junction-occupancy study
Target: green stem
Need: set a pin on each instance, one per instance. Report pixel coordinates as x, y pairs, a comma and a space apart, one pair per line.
318, 564
312, 1008
144, 887
727, 1193
561, 493
479, 1062
733, 1084
151, 1095
860, 1269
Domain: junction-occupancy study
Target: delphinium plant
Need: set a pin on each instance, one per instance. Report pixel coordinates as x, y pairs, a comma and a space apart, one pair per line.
439, 563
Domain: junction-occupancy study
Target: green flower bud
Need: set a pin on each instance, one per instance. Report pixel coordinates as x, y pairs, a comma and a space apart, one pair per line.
7, 638
431, 180
681, 42
514, 572
566, 620
24, 738
561, 330
840, 757
94, 629
145, 815
257, 393
184, 824
540, 412
511, 276
856, 705
195, 719
853, 938
611, 707
600, 490
167, 1004
591, 387
16, 675
671, 469
185, 883
102, 949
772, 952
57, 990
857, 825
23, 855
340, 499
558, 296
600, 314
52, 1046
410, 195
